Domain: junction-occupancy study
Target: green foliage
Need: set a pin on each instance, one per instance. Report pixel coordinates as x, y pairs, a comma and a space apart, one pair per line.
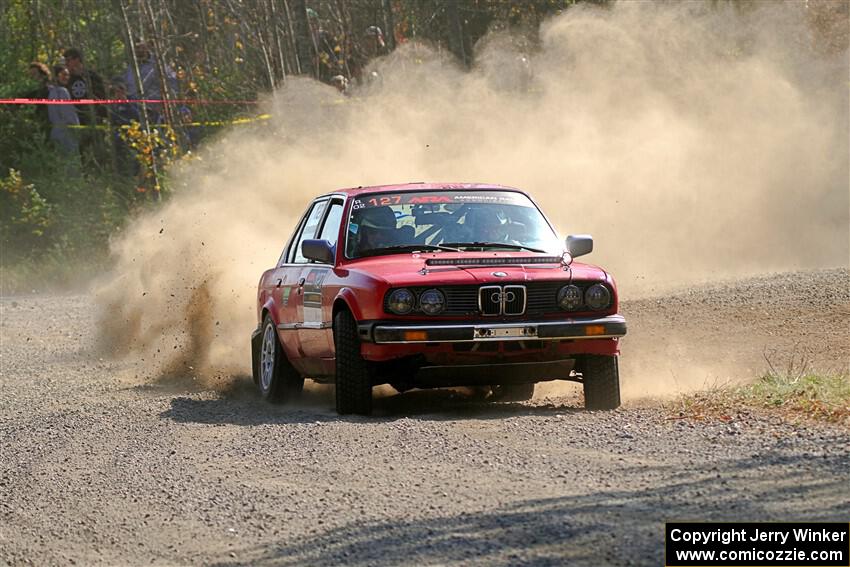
794, 393
56, 226
825, 394
26, 216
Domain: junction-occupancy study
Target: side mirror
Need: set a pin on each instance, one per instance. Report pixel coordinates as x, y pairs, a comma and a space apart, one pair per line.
318, 250
579, 244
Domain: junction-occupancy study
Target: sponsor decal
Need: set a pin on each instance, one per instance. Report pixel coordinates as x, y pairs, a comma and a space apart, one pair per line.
440, 198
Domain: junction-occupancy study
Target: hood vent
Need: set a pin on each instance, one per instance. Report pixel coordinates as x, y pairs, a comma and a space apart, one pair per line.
493, 261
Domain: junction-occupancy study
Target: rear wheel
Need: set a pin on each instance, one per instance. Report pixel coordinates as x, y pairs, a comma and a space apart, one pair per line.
278, 380
601, 379
353, 382
513, 392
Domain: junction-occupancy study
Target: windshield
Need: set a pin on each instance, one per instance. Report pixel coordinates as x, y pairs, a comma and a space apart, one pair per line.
388, 223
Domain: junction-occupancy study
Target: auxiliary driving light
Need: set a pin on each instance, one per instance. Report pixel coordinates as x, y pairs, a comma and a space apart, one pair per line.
432, 301
597, 297
401, 301
569, 298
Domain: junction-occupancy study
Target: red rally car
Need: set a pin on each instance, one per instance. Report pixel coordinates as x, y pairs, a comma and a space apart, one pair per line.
427, 285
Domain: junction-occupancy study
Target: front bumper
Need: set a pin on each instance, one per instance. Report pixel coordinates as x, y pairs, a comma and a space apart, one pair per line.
612, 326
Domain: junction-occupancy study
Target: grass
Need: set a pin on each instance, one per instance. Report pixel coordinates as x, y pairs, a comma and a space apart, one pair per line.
793, 394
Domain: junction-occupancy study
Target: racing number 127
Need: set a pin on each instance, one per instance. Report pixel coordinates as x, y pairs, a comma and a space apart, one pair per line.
388, 200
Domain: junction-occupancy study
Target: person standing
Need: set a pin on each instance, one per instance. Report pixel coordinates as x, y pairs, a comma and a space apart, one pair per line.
62, 77
40, 75
151, 87
84, 84
61, 116
121, 116
371, 46
87, 84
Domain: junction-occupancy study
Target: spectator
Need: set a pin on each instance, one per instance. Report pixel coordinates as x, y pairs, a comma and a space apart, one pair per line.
341, 84
61, 116
41, 75
151, 82
372, 46
121, 115
125, 112
373, 42
62, 76
188, 131
84, 84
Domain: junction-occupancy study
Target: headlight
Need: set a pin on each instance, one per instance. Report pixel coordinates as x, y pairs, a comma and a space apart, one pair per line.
432, 301
569, 298
597, 297
401, 301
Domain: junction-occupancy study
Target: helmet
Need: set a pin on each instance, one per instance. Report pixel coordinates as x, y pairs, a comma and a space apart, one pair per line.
482, 217
483, 223
374, 227
375, 217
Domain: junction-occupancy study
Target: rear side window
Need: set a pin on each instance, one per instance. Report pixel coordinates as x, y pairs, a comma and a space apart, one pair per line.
308, 231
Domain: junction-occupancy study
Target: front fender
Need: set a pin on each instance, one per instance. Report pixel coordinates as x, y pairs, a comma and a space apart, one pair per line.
348, 296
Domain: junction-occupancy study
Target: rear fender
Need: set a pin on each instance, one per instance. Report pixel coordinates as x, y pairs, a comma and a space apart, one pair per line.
257, 339
256, 345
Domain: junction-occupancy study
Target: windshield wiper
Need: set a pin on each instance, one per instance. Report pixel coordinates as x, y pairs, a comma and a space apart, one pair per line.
406, 248
493, 245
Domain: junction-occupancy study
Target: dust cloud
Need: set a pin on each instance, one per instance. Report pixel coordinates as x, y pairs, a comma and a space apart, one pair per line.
694, 141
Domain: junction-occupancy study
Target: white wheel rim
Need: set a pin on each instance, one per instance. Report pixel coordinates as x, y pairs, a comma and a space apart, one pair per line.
267, 358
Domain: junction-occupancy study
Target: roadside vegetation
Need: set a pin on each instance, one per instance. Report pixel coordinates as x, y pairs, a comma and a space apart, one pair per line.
58, 212
794, 393
212, 61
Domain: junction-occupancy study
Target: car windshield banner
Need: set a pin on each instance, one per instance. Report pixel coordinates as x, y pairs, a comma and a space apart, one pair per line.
441, 198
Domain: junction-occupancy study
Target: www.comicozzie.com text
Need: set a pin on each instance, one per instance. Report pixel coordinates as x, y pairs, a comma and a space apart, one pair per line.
726, 536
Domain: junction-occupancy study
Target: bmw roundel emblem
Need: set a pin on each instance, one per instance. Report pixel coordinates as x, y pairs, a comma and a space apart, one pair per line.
500, 274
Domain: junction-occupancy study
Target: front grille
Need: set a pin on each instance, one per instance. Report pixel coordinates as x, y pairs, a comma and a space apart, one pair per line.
463, 300
490, 300
498, 300
514, 299
543, 297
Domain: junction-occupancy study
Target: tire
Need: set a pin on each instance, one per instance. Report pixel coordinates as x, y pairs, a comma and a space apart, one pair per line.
513, 392
278, 380
601, 379
353, 381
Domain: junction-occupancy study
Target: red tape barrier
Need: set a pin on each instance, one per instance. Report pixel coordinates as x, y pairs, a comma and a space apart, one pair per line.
116, 101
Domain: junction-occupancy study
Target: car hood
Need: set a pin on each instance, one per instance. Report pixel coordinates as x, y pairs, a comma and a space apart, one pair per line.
449, 268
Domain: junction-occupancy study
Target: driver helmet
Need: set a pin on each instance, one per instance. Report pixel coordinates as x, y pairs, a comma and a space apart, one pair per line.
375, 226
485, 224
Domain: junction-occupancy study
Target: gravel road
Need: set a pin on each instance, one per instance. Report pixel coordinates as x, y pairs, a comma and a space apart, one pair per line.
96, 468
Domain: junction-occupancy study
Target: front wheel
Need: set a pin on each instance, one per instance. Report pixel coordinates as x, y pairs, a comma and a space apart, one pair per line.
601, 379
278, 380
353, 381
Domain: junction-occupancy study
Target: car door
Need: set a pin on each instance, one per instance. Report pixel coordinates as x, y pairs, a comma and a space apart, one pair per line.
288, 285
315, 334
